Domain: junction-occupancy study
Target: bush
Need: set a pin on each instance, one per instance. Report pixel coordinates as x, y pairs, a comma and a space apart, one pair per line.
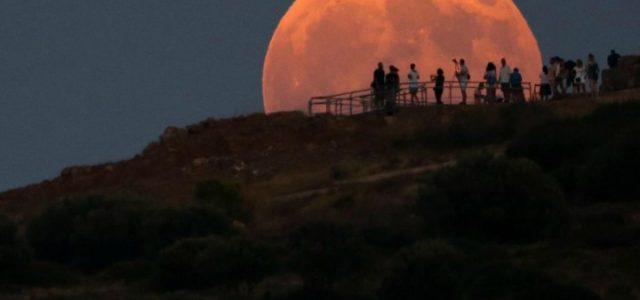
611, 172
555, 144
92, 232
95, 232
8, 231
503, 281
213, 262
564, 146
165, 226
324, 253
607, 230
14, 257
427, 270
223, 197
494, 199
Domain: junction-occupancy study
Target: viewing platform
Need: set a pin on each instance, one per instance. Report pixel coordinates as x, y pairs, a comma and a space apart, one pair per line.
362, 101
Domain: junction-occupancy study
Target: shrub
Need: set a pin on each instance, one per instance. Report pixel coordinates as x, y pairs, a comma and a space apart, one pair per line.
8, 231
213, 262
13, 256
90, 232
555, 144
495, 199
95, 232
223, 197
607, 230
324, 253
427, 270
611, 172
503, 281
164, 226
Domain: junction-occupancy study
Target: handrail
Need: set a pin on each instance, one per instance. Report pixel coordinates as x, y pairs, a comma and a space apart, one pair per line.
362, 101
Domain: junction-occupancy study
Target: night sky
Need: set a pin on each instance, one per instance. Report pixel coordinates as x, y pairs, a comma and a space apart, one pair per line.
84, 82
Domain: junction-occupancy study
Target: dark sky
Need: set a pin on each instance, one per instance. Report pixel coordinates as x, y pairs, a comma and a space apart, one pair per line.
84, 82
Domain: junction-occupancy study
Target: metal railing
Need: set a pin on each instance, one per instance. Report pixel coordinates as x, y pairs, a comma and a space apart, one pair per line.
363, 101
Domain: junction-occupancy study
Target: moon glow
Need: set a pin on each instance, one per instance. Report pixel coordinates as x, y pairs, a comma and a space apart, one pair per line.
323, 47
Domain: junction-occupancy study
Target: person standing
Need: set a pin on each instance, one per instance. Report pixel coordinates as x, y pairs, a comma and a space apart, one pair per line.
505, 76
439, 85
593, 74
490, 76
379, 86
545, 84
559, 75
613, 59
392, 83
414, 85
515, 82
581, 78
463, 76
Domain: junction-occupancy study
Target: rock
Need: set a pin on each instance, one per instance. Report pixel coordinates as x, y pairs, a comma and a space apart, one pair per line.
76, 171
625, 76
200, 162
172, 133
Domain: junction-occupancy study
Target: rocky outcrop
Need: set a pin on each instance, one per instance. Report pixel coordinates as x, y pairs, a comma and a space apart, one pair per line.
626, 76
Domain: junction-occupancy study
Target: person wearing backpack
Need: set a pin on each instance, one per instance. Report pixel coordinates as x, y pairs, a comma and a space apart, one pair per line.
515, 82
593, 74
491, 79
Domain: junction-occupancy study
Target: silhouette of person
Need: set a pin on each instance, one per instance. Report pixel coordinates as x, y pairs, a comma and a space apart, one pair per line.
490, 76
378, 86
593, 74
570, 74
477, 95
463, 75
580, 80
392, 83
559, 75
545, 84
613, 59
414, 77
439, 86
515, 82
505, 76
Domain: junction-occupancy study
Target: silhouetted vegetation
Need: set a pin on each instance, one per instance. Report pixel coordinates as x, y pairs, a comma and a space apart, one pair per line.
324, 252
223, 197
213, 262
495, 199
490, 226
611, 172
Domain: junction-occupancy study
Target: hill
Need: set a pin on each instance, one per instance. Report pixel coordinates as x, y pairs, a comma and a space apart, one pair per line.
365, 184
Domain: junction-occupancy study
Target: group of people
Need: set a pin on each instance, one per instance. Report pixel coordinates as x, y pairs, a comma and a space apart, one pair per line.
562, 78
556, 80
386, 85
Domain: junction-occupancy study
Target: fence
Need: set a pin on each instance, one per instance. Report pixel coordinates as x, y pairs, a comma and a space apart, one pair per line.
362, 101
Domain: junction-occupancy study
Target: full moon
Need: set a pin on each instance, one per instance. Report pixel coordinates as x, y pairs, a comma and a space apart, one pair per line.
324, 47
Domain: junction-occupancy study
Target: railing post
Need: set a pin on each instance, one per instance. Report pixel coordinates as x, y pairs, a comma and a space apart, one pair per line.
450, 93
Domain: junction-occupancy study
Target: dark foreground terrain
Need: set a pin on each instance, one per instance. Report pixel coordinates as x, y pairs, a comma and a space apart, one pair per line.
537, 201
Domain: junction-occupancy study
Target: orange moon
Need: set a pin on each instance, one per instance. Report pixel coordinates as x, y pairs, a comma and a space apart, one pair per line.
324, 47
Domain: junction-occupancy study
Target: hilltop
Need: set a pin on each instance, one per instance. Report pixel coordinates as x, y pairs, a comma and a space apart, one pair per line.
366, 183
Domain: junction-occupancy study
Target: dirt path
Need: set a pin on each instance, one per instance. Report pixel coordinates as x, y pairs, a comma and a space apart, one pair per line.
364, 180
